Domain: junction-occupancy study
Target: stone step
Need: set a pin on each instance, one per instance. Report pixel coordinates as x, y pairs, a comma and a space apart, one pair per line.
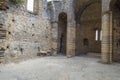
2, 37
2, 54
1, 29
2, 33
2, 40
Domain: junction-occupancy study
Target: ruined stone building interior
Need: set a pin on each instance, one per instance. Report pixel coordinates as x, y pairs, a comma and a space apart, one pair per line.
59, 39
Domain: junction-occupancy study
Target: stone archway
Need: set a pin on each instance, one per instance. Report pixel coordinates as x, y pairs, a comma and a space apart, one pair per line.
89, 21
62, 33
70, 32
69, 43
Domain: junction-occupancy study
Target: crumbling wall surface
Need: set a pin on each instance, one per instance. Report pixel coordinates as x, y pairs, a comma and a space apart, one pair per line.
26, 32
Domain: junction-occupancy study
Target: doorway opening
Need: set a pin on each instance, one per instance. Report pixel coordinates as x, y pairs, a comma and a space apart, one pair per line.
62, 33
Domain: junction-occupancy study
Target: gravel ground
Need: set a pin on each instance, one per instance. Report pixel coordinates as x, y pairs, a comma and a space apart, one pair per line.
60, 68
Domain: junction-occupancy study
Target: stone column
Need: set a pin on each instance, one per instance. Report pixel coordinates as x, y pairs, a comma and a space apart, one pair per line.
111, 37
54, 37
106, 43
71, 30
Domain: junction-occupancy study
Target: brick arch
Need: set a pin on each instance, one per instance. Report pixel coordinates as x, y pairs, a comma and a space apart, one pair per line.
62, 33
84, 7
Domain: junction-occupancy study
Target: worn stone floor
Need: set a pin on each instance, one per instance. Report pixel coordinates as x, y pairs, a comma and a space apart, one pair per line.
60, 68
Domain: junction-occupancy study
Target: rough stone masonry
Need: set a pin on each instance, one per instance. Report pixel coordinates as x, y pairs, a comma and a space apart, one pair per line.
56, 25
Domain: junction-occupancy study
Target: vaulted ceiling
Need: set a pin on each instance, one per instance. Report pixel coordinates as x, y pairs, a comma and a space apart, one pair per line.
82, 5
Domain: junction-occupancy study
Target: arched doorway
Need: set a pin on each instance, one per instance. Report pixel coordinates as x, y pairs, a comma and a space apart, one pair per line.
62, 33
88, 37
115, 7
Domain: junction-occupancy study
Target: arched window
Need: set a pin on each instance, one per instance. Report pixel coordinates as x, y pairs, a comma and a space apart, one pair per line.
96, 35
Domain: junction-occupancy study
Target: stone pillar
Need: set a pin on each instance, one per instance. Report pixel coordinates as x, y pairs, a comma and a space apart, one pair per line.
54, 37
111, 37
106, 43
71, 39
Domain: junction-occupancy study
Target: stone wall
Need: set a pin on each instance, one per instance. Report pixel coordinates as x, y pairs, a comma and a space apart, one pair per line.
89, 22
116, 38
116, 33
67, 7
26, 32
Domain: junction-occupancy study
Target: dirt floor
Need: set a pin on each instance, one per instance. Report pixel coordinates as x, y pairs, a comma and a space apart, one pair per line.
60, 68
